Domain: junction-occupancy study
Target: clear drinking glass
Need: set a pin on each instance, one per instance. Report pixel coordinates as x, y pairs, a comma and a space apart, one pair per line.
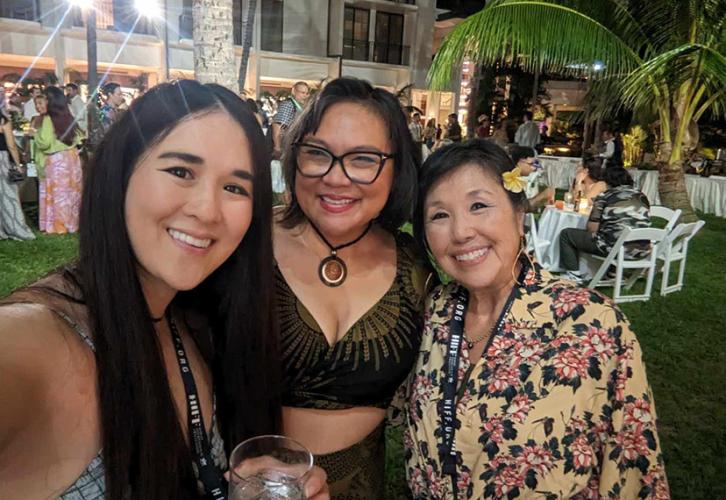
569, 199
269, 468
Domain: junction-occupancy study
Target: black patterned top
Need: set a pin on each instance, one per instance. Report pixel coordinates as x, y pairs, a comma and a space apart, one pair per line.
366, 366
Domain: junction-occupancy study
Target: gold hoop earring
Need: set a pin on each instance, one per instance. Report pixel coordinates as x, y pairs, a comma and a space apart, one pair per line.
522, 250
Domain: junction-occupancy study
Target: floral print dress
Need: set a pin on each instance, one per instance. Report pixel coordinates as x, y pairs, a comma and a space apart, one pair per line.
558, 406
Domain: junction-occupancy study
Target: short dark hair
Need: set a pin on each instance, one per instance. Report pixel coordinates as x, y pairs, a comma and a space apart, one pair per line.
521, 152
528, 115
72, 86
454, 115
406, 155
617, 176
491, 158
110, 88
594, 168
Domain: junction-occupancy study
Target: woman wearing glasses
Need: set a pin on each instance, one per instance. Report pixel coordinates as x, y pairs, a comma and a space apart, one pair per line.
349, 285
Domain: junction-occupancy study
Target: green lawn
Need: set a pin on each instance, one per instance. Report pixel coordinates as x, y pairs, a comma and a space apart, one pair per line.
684, 343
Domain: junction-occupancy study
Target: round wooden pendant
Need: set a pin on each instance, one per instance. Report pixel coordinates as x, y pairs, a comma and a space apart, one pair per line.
332, 271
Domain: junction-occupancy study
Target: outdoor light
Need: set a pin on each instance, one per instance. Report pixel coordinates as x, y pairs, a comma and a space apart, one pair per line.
598, 66
148, 8
83, 4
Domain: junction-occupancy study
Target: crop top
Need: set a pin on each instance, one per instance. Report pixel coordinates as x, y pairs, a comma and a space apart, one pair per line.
365, 366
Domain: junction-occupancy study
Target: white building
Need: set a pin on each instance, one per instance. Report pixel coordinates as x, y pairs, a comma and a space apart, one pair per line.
387, 42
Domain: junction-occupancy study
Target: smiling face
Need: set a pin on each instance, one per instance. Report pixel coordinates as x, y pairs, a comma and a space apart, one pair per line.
338, 207
301, 93
472, 228
189, 201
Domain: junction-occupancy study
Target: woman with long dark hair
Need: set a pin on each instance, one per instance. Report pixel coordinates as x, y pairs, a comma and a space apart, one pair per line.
110, 366
59, 166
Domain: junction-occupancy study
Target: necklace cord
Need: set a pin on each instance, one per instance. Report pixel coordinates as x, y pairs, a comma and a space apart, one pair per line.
340, 247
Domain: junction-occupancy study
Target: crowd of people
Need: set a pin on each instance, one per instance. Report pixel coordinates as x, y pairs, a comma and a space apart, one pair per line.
319, 319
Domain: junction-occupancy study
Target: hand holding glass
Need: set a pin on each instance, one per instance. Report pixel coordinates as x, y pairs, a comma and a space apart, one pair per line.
269, 468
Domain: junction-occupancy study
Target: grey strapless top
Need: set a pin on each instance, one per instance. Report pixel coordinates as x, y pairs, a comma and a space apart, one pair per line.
91, 485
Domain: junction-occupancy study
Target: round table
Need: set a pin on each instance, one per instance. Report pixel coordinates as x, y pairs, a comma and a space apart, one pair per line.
559, 171
550, 225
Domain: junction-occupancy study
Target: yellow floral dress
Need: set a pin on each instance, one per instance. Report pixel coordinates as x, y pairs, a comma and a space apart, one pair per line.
557, 407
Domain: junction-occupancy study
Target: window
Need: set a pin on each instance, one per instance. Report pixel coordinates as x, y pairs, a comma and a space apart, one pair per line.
388, 47
104, 15
27, 10
355, 33
271, 22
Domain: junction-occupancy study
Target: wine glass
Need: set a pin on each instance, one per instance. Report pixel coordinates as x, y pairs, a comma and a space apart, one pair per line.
568, 200
269, 468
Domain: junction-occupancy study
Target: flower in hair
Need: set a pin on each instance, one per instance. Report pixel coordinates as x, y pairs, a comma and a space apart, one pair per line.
513, 181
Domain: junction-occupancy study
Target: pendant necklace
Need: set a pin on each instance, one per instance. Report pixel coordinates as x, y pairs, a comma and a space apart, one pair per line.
332, 270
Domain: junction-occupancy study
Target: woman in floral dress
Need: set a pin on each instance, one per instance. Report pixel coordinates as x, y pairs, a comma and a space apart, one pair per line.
550, 397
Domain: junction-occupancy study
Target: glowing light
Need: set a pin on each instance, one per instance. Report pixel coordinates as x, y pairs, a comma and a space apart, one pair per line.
598, 66
84, 4
149, 9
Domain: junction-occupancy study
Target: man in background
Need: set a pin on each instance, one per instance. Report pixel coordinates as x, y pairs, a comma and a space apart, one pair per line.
286, 113
77, 106
416, 129
114, 98
29, 111
528, 132
453, 129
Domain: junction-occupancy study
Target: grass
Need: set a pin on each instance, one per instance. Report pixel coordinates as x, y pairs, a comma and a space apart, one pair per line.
684, 344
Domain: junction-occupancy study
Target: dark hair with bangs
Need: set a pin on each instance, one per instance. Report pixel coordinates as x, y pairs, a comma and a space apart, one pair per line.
485, 154
144, 450
407, 156
617, 176
594, 168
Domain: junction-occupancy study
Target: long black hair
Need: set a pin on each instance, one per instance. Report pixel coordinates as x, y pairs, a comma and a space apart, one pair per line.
64, 124
407, 155
144, 450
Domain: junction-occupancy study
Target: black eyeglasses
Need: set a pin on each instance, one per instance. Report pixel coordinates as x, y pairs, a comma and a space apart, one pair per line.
361, 167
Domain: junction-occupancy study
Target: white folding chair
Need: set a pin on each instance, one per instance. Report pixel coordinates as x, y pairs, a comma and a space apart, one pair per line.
671, 216
618, 258
533, 242
675, 249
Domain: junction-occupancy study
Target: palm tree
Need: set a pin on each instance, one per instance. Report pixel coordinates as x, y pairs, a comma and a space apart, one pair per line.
213, 42
667, 57
247, 29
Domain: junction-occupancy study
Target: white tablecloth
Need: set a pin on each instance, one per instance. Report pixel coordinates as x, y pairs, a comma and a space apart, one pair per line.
707, 194
550, 225
559, 170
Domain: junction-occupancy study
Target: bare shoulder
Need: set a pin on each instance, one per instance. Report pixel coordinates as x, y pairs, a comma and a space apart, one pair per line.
48, 425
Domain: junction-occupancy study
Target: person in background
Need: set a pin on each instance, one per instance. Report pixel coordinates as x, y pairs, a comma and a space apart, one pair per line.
349, 288
429, 133
133, 371
619, 207
612, 154
526, 386
500, 137
12, 220
589, 179
483, 130
453, 129
287, 111
532, 174
77, 106
528, 132
59, 167
113, 99
414, 126
29, 109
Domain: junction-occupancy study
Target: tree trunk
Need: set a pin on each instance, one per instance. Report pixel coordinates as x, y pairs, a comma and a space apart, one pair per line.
247, 30
672, 189
213, 42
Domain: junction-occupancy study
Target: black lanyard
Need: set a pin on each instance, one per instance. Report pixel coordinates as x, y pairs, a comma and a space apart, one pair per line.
448, 410
209, 475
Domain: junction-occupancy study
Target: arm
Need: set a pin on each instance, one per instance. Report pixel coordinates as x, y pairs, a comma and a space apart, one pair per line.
45, 136
10, 140
632, 457
276, 139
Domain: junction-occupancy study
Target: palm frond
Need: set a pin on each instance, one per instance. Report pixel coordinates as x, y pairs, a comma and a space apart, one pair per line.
534, 34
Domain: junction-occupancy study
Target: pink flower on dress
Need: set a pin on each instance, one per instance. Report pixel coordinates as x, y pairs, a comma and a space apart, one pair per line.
568, 299
537, 458
422, 390
529, 352
500, 344
503, 378
634, 445
658, 484
582, 455
599, 343
519, 408
417, 482
434, 482
463, 481
506, 480
571, 364
638, 414
495, 428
